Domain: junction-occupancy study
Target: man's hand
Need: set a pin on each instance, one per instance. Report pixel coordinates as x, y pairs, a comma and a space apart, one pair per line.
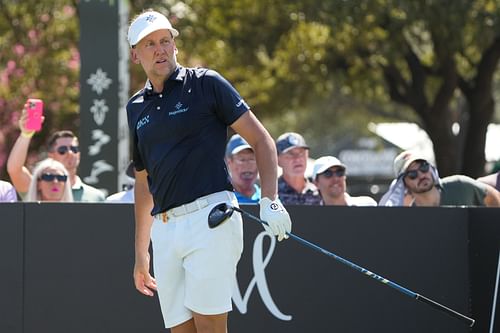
276, 216
143, 281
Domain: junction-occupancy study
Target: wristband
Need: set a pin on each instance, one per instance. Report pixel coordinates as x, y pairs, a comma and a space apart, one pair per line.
27, 135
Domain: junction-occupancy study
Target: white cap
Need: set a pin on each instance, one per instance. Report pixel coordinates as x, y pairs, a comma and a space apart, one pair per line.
324, 163
403, 161
147, 23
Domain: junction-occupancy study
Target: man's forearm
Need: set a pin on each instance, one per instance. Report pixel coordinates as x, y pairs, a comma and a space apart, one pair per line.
143, 219
267, 164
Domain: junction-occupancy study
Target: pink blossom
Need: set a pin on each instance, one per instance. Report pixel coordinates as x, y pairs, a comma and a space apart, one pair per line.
44, 18
19, 49
69, 10
32, 34
11, 66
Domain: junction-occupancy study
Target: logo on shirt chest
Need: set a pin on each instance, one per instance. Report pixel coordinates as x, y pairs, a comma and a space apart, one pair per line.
179, 108
143, 121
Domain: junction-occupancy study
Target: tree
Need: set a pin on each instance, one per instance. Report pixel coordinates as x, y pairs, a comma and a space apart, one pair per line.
435, 57
42, 60
438, 58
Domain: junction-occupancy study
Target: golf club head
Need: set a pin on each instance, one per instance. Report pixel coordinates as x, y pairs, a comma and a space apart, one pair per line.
219, 214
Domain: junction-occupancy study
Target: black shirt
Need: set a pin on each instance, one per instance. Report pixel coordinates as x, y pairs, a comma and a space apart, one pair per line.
179, 135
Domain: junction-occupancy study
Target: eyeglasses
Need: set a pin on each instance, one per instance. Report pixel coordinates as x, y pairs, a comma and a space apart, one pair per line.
64, 149
49, 177
330, 173
413, 174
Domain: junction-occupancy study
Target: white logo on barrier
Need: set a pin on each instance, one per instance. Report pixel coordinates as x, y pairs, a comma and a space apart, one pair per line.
99, 81
97, 168
99, 110
259, 264
100, 139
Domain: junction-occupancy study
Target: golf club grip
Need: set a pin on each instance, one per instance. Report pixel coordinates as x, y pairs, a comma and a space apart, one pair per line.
445, 309
379, 278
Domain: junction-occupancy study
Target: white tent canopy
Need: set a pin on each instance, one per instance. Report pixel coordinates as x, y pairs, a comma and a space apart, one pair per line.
409, 136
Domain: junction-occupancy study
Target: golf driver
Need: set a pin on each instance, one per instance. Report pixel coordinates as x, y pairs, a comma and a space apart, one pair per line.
220, 213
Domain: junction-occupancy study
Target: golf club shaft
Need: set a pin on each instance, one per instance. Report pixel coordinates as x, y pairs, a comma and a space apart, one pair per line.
436, 305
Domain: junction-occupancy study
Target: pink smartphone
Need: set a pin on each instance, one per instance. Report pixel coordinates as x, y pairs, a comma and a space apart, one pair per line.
35, 113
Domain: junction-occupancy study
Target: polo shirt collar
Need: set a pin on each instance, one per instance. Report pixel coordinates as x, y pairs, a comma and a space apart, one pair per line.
178, 75
78, 184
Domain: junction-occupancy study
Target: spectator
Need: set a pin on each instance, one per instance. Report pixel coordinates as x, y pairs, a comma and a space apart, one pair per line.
49, 183
329, 176
421, 180
7, 192
293, 187
492, 180
63, 147
240, 160
127, 194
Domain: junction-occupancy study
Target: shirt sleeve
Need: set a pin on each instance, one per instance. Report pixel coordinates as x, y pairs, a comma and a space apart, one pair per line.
11, 195
136, 156
224, 98
477, 189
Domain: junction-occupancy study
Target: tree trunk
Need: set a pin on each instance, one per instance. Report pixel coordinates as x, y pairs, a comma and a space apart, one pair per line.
482, 108
438, 127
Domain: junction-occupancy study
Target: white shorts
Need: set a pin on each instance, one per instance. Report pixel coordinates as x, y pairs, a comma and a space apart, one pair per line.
195, 266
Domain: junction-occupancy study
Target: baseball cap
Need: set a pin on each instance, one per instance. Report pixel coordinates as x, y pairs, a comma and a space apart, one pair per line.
324, 163
403, 161
236, 144
146, 23
290, 140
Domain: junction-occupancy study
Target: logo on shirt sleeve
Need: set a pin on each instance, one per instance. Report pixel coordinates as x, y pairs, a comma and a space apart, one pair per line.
242, 102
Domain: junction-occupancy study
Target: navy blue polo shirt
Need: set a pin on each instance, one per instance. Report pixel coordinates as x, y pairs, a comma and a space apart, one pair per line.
179, 135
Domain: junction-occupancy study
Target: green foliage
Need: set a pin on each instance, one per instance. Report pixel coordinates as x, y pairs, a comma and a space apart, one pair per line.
290, 57
40, 59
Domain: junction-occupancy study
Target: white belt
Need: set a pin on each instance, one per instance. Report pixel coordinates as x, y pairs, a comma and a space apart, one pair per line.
194, 206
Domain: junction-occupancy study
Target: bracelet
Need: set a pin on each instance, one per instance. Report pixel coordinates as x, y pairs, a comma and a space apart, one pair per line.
28, 135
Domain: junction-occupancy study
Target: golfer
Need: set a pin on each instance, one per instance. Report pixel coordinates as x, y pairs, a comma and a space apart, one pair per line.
178, 123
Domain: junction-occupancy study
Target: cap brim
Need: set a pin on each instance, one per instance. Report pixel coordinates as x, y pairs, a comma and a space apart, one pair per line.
328, 166
240, 148
411, 160
151, 29
291, 147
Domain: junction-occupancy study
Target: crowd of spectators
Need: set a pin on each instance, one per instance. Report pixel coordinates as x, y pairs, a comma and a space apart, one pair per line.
416, 182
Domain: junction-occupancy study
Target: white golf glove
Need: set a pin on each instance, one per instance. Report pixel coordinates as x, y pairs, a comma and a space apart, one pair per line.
276, 216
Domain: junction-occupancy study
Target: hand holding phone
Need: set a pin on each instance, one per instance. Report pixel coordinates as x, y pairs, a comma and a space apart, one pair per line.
34, 108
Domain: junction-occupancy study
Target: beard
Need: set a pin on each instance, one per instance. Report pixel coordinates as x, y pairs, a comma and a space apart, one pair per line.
425, 185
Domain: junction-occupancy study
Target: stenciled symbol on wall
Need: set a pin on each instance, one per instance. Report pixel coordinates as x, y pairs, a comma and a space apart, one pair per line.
99, 110
99, 81
100, 139
98, 167
259, 264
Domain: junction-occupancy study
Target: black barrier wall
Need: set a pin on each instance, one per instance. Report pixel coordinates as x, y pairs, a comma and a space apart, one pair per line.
68, 268
11, 267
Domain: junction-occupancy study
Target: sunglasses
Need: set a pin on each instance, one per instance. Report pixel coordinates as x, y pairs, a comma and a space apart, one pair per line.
337, 172
413, 174
64, 149
49, 177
